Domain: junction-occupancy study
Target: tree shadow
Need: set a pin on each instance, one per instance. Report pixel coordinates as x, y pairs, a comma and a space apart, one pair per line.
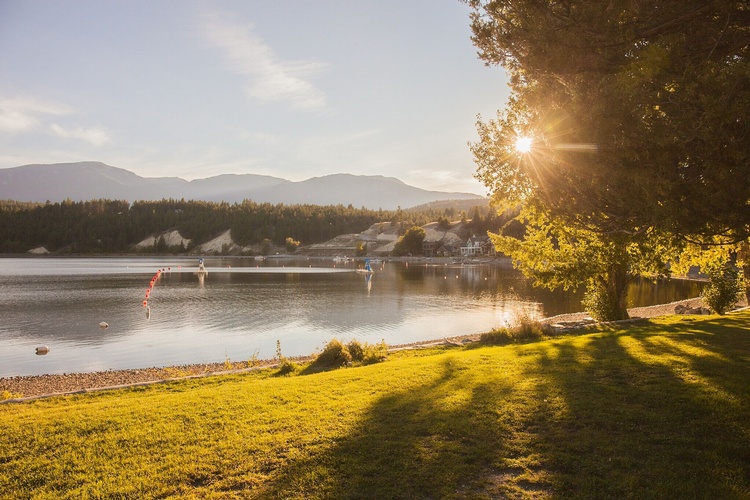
647, 415
649, 412
421, 443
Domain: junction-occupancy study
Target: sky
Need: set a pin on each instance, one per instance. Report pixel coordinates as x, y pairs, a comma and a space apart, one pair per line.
293, 89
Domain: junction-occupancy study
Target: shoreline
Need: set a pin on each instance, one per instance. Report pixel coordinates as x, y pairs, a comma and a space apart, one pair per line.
28, 387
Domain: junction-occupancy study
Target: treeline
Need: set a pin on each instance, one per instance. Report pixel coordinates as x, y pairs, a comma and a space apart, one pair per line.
111, 226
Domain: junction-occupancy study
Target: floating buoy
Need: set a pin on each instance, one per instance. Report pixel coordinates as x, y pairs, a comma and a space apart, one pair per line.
103, 324
145, 302
42, 350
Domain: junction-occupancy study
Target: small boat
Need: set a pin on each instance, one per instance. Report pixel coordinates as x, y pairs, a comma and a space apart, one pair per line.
202, 271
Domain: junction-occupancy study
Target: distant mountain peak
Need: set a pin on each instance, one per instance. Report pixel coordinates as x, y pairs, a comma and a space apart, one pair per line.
93, 180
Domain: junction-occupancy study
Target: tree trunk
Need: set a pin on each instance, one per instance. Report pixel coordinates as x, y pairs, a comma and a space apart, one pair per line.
744, 261
617, 282
606, 297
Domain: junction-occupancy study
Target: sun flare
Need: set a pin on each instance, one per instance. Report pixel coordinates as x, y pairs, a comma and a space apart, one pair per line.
523, 144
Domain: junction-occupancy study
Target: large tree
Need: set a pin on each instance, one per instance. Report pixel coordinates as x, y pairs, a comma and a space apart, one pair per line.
639, 111
556, 255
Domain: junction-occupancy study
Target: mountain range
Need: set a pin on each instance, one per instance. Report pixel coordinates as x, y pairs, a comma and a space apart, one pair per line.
94, 180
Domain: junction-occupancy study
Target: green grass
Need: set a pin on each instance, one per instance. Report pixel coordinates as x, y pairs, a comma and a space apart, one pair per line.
658, 410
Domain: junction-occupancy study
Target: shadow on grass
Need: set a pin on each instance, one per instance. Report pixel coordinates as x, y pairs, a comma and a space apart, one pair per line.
655, 411
422, 443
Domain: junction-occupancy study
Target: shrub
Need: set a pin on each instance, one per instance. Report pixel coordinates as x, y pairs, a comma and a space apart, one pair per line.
286, 367
525, 330
356, 351
498, 336
334, 354
529, 330
723, 289
375, 353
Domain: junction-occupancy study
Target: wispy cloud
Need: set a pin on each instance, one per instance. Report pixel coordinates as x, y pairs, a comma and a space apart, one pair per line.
270, 78
21, 114
95, 136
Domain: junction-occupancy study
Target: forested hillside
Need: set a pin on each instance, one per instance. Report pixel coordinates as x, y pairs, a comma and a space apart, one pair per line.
107, 226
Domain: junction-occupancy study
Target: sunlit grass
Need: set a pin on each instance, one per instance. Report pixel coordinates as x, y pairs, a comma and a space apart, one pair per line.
657, 410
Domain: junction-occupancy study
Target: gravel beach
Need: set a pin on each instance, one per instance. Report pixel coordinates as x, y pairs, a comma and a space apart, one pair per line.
43, 385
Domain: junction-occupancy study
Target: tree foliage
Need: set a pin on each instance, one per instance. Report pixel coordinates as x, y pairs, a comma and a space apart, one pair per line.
411, 242
556, 255
106, 226
637, 113
625, 101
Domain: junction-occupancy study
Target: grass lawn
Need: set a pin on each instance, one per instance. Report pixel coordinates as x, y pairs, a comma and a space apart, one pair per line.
658, 410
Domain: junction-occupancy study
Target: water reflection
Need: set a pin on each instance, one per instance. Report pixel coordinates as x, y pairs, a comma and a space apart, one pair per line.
244, 306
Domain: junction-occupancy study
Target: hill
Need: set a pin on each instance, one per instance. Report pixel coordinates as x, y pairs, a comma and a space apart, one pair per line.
94, 180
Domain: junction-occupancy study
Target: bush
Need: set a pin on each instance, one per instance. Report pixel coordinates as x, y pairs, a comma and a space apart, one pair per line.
356, 351
529, 330
374, 353
498, 336
286, 367
334, 354
525, 330
723, 289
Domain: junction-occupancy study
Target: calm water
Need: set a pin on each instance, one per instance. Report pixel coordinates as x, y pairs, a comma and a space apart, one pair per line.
244, 306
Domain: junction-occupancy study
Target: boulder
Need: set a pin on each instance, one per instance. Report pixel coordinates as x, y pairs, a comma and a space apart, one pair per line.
681, 309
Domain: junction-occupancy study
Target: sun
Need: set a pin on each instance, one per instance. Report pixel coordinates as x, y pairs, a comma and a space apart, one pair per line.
523, 144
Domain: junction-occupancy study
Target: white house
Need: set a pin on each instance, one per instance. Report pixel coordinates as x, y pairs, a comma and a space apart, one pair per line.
476, 245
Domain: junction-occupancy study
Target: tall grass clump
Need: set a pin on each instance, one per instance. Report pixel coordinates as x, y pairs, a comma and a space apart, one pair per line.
367, 354
524, 331
285, 366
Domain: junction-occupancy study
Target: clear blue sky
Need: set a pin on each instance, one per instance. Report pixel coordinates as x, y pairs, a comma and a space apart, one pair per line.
293, 89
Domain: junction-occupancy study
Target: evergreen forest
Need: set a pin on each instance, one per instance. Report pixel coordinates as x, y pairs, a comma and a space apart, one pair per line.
112, 226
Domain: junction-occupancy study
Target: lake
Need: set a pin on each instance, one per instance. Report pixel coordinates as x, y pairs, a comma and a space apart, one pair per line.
245, 305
